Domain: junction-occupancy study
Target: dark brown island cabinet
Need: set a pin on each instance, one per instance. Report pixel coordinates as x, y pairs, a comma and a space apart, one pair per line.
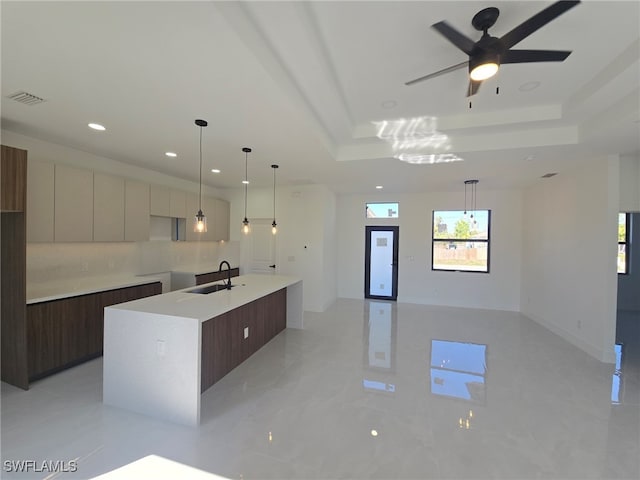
223, 344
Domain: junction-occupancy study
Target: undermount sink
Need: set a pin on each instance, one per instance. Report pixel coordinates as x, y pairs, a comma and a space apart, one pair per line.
209, 289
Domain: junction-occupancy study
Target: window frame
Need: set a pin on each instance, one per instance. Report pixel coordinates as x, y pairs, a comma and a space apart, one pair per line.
627, 225
475, 240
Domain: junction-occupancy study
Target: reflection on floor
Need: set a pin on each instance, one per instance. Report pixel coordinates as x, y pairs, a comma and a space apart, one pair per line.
367, 390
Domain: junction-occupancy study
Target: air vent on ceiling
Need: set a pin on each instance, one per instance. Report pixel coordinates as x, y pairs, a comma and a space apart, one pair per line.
549, 175
26, 98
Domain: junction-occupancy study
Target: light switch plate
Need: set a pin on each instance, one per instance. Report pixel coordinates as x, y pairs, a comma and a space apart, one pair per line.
246, 332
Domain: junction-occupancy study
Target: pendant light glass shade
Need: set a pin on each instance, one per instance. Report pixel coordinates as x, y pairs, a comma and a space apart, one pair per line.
274, 225
246, 226
200, 221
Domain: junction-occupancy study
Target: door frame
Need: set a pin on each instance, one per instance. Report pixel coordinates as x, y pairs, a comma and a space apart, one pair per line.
367, 261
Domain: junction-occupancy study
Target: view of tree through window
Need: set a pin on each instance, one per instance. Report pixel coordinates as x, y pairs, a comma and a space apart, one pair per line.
623, 232
460, 240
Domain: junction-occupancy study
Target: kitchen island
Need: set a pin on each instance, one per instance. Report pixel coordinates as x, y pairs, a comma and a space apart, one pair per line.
162, 352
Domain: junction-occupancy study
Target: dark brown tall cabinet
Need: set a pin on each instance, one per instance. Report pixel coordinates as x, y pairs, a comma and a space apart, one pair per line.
13, 261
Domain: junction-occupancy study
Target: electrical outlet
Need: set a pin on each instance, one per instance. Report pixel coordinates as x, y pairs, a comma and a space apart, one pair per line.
246, 332
85, 266
161, 348
579, 324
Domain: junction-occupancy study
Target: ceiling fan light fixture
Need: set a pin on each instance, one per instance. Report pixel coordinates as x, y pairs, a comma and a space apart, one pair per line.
483, 68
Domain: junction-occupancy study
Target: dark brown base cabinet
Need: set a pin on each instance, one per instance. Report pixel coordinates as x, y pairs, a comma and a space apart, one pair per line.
215, 276
223, 344
65, 332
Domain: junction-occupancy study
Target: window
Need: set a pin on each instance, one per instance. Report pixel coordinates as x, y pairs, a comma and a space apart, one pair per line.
382, 210
460, 241
623, 243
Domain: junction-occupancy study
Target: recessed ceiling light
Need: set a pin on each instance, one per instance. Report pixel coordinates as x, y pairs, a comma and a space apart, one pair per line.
171, 154
215, 170
528, 86
379, 187
528, 158
97, 126
245, 182
388, 104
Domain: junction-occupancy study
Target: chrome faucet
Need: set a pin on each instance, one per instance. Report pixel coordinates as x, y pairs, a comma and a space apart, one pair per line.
228, 282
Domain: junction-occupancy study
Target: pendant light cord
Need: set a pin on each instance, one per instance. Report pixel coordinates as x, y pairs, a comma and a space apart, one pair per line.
274, 193
474, 201
465, 198
246, 154
200, 199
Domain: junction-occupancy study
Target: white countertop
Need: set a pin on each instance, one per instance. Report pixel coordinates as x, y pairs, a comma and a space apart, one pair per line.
158, 468
44, 292
203, 307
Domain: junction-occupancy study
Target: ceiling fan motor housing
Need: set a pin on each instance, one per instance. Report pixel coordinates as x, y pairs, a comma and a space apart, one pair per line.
487, 50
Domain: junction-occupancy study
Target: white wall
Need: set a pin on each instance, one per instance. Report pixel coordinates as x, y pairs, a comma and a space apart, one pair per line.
305, 243
569, 276
48, 262
630, 184
417, 283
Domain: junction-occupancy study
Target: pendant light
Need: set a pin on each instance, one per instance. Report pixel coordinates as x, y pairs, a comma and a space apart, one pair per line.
246, 227
472, 204
274, 225
200, 221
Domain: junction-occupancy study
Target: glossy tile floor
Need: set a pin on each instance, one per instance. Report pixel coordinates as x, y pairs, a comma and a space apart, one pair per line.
367, 390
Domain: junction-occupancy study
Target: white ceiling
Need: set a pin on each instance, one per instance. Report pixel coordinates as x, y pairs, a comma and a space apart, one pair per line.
302, 83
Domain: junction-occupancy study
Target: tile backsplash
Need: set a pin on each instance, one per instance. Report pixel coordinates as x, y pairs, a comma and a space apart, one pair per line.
48, 262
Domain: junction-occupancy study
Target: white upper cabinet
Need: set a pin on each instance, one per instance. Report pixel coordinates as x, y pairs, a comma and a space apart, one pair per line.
177, 204
108, 208
209, 209
136, 211
160, 201
40, 201
73, 204
191, 210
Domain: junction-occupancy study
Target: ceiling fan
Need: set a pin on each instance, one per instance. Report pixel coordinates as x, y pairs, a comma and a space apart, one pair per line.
487, 54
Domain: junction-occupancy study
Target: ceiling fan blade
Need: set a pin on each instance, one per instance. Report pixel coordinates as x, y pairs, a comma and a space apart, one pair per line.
527, 56
473, 87
461, 41
539, 20
439, 72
